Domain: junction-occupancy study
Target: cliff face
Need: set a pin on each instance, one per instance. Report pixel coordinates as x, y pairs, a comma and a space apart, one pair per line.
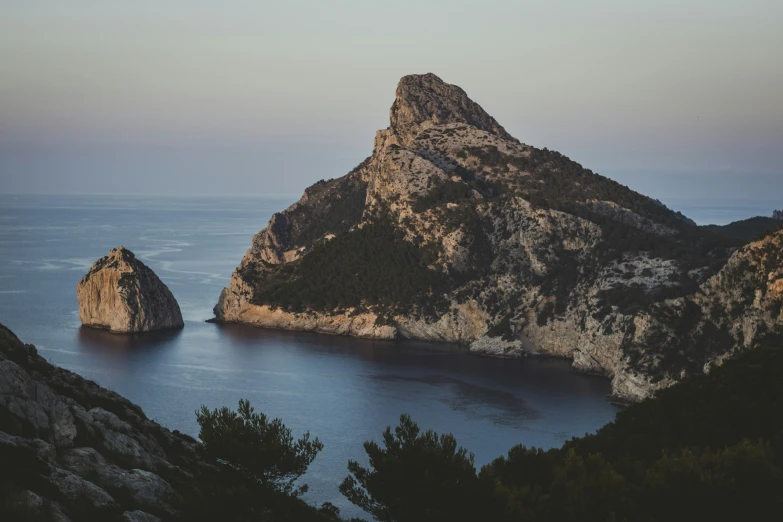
122, 294
76, 451
452, 230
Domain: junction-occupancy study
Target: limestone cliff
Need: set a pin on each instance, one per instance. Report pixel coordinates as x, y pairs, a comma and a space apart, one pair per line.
453, 230
122, 294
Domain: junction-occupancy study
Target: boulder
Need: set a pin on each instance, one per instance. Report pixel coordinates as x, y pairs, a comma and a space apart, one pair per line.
123, 295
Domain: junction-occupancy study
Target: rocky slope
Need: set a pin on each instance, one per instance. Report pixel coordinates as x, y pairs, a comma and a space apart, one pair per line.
71, 450
122, 294
453, 230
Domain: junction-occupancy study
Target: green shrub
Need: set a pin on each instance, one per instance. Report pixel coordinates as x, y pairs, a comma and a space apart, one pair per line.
262, 449
414, 477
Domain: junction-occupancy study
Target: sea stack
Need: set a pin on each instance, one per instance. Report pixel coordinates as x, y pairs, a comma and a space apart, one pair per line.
123, 295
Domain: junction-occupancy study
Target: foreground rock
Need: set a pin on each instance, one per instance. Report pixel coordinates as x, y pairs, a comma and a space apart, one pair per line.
71, 451
122, 294
453, 230
76, 451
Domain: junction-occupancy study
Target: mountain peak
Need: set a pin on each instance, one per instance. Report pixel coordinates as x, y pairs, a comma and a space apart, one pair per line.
121, 254
425, 97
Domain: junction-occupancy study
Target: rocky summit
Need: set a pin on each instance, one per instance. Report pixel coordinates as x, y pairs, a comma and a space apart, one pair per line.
453, 230
122, 294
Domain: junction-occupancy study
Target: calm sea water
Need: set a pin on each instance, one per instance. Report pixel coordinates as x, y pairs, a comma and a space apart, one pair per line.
723, 211
343, 390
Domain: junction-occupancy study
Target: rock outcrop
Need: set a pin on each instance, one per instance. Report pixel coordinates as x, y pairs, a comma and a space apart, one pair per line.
72, 451
733, 310
76, 451
777, 214
122, 294
453, 230
428, 99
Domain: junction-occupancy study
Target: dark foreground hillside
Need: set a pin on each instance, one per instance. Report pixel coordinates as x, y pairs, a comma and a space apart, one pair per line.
709, 448
73, 451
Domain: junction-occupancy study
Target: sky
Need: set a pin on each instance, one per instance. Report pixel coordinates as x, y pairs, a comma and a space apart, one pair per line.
672, 98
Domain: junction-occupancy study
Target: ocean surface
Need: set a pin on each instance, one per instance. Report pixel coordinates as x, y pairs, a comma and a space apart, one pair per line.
723, 211
342, 390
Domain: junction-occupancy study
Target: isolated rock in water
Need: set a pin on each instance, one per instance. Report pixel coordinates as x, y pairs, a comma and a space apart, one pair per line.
122, 294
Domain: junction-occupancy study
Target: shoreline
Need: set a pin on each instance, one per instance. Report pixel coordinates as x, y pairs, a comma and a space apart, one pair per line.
612, 398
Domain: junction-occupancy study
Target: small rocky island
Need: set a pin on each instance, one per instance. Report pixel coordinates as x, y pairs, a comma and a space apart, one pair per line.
123, 295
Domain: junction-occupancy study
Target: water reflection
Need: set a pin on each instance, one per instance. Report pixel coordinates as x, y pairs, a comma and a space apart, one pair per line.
240, 334
475, 401
550, 376
121, 346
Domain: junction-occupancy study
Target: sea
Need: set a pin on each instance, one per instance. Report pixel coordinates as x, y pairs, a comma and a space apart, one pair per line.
342, 390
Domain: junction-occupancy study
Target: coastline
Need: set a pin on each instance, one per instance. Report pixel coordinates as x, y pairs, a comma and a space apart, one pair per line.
612, 398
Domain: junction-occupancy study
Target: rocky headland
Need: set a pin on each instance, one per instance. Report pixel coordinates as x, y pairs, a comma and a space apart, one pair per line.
453, 230
123, 295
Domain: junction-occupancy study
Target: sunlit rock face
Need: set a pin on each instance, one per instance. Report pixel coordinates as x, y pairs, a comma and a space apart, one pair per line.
123, 295
453, 230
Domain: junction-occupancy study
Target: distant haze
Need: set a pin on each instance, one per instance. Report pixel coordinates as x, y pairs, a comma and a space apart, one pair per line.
673, 98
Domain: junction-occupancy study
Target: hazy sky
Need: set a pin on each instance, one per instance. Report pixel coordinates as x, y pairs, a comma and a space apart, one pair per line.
673, 98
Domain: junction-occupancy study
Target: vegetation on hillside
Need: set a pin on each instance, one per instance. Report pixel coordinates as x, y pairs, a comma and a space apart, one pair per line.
746, 229
710, 448
414, 476
555, 180
332, 206
256, 463
262, 449
447, 192
371, 265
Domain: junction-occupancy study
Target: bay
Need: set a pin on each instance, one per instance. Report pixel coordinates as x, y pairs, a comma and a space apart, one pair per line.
343, 390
